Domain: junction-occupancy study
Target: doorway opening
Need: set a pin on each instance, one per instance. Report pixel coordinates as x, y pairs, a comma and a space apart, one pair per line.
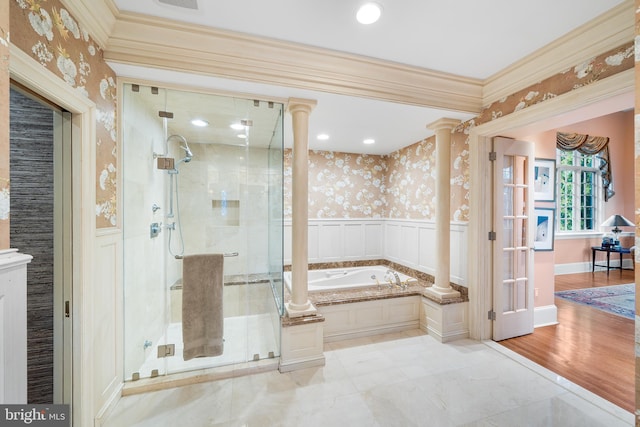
40, 173
604, 98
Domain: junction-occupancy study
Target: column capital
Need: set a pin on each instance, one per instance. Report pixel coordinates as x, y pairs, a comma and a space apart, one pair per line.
300, 104
444, 123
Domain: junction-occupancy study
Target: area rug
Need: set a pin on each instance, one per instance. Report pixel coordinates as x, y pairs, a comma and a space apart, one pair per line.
616, 299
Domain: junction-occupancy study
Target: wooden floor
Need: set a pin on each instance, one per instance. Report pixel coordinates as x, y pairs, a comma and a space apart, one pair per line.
589, 347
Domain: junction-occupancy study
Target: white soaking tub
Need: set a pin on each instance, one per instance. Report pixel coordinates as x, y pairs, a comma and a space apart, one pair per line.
349, 278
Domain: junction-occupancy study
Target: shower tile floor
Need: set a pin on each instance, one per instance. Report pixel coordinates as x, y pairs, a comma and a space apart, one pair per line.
402, 379
244, 336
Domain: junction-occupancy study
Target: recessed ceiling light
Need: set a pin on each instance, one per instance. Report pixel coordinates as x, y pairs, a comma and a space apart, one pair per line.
242, 135
322, 137
199, 122
369, 141
369, 13
237, 126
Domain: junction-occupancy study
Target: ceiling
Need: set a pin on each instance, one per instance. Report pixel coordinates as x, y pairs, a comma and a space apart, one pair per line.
463, 37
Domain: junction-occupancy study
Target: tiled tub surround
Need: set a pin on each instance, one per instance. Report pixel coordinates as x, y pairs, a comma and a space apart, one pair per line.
351, 313
405, 242
425, 280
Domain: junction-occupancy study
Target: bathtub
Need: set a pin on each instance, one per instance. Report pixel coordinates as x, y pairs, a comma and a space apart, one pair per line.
347, 278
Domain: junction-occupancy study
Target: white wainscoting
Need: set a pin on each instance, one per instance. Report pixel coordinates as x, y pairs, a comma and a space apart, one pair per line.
412, 244
103, 319
354, 320
407, 242
340, 240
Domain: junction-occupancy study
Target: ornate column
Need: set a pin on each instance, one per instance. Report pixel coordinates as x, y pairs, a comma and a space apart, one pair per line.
442, 288
300, 304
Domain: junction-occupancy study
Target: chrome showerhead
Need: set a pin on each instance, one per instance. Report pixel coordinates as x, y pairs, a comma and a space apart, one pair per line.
187, 150
185, 147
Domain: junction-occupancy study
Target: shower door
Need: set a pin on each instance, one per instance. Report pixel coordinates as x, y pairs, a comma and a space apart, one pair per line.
214, 188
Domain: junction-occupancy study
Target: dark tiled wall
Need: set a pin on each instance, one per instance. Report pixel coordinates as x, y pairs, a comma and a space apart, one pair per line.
31, 231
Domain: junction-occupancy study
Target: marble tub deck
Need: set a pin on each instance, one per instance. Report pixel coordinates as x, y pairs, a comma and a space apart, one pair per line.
375, 292
401, 379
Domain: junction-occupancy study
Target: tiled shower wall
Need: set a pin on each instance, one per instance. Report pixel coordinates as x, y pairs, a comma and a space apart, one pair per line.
31, 230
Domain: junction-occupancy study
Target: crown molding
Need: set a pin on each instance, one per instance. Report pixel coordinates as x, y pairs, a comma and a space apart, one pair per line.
608, 31
97, 17
141, 40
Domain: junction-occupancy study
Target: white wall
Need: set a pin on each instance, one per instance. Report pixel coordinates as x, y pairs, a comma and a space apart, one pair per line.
407, 242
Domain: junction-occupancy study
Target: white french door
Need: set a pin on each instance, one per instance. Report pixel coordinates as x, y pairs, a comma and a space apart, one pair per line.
513, 246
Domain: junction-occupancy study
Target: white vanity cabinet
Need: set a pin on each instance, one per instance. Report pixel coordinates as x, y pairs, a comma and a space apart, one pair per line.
13, 326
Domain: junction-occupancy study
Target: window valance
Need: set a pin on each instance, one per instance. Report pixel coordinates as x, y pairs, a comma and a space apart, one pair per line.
590, 145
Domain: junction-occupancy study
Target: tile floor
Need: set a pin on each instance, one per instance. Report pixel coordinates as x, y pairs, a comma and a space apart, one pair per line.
402, 379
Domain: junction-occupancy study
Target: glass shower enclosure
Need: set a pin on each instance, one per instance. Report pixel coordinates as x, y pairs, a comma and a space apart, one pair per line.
202, 174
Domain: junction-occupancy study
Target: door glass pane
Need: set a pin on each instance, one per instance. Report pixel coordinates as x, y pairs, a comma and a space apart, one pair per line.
521, 263
507, 261
521, 294
508, 233
521, 227
508, 200
507, 296
507, 170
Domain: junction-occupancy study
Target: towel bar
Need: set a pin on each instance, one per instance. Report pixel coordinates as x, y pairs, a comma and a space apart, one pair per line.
230, 254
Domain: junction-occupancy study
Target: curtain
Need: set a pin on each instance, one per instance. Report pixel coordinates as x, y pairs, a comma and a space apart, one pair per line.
590, 145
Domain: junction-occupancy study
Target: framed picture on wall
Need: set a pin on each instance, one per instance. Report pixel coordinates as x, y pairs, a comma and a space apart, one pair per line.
544, 228
544, 180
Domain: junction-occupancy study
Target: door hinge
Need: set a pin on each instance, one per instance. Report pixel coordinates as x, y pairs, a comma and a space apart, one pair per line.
492, 235
67, 309
493, 156
166, 350
491, 315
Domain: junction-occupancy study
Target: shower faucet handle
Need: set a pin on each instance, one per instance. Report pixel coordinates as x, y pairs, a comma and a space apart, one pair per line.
155, 229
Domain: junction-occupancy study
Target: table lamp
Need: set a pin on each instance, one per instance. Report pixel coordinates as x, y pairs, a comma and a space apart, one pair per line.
616, 221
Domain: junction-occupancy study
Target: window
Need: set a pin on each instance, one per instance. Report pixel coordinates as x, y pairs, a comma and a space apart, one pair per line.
579, 189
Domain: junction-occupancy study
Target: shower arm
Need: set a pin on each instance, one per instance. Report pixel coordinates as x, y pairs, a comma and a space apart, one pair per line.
226, 255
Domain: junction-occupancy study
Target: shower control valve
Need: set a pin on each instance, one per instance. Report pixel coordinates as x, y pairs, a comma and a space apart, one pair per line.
154, 229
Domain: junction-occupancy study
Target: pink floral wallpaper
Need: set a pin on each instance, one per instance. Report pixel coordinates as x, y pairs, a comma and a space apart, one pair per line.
342, 185
399, 185
4, 125
46, 30
412, 181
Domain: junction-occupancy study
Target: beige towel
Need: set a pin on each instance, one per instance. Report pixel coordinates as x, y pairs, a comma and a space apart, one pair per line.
202, 316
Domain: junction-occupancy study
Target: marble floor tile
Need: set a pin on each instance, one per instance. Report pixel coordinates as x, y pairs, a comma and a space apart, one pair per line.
400, 379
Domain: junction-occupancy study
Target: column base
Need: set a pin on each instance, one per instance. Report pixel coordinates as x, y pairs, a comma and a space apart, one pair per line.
444, 322
442, 294
296, 310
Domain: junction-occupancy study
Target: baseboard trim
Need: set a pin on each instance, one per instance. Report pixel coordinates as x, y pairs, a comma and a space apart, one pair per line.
545, 316
585, 267
304, 364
